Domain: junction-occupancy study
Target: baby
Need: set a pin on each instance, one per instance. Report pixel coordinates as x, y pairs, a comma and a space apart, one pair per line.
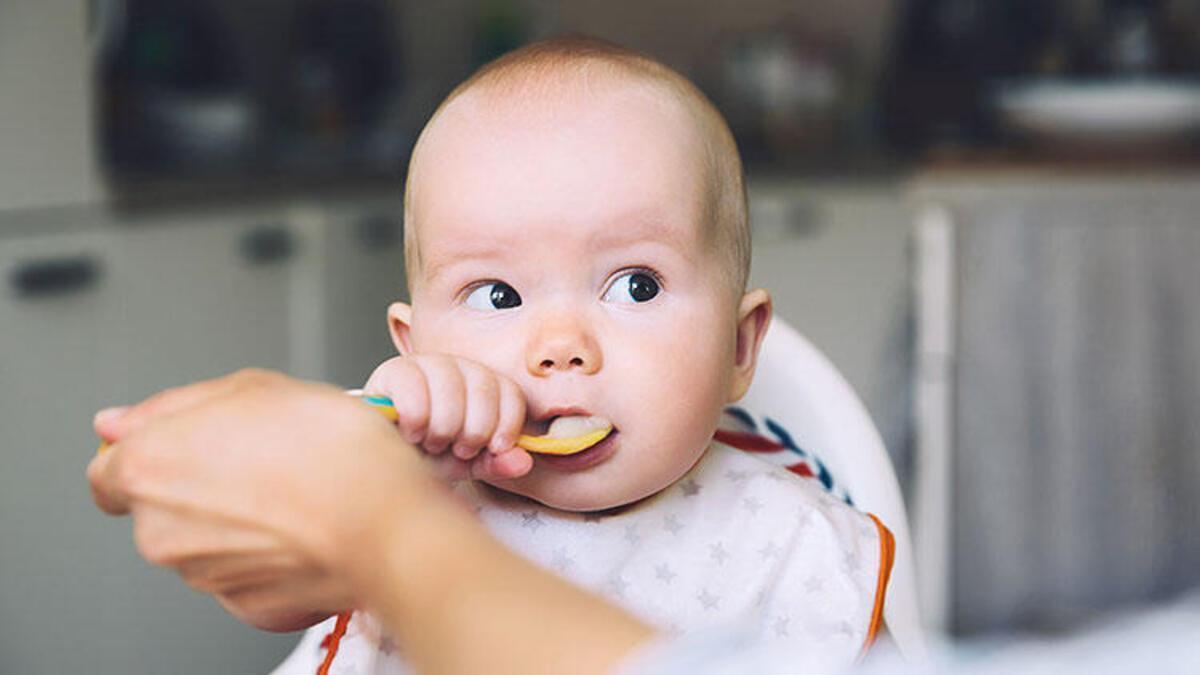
577, 246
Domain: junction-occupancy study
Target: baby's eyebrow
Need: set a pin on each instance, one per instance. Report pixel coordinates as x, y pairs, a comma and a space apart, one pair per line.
651, 226
435, 265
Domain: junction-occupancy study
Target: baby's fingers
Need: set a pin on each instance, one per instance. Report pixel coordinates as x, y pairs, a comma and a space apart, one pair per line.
511, 417
486, 466
503, 466
403, 381
447, 394
483, 402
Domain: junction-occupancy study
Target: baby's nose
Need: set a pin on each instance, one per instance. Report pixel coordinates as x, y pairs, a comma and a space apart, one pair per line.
562, 344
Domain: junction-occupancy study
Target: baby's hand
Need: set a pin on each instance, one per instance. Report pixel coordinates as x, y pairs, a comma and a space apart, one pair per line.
464, 415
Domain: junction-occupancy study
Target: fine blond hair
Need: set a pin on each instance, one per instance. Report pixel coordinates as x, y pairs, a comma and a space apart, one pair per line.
574, 57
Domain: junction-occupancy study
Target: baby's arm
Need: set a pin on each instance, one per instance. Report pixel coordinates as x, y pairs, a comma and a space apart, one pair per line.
464, 415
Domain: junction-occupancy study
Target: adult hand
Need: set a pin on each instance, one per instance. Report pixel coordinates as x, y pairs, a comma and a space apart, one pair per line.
258, 489
290, 501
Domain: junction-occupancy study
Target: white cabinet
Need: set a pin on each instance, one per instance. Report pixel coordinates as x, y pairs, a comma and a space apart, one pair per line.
101, 316
46, 148
835, 258
361, 273
54, 366
1058, 393
98, 309
200, 297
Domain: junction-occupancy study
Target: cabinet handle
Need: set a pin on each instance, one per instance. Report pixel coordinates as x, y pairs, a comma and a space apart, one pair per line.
378, 232
805, 220
267, 245
54, 276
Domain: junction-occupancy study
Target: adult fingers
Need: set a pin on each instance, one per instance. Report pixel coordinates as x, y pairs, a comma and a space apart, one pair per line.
105, 492
286, 606
113, 427
212, 553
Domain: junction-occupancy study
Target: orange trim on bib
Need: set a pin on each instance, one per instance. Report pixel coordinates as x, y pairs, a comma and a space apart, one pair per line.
334, 640
887, 556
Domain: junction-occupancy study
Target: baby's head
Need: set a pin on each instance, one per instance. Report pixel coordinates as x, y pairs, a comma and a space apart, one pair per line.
576, 220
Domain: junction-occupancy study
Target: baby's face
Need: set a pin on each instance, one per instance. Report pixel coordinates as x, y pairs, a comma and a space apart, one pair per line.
567, 247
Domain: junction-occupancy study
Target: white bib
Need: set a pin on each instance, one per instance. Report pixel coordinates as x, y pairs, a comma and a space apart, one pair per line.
737, 540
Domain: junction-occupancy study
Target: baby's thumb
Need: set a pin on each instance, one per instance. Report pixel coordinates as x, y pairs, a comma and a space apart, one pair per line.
503, 466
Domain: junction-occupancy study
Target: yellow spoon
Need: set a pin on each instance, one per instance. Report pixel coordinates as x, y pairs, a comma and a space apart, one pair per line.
545, 445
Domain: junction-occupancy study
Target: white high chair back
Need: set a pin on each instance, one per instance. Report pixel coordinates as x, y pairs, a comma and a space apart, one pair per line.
800, 389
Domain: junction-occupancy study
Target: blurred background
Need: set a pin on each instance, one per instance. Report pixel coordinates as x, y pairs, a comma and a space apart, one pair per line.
984, 211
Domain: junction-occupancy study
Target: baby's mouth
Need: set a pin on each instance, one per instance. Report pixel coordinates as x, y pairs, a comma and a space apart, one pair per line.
566, 434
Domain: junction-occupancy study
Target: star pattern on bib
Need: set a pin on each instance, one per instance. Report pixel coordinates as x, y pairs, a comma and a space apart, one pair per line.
531, 520
718, 553
771, 550
616, 584
562, 560
737, 540
671, 524
813, 585
664, 573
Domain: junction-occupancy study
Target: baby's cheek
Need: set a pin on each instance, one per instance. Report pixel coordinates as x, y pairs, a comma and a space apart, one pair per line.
677, 421
498, 354
664, 462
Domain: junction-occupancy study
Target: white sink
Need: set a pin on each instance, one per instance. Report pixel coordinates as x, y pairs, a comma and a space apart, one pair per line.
1105, 111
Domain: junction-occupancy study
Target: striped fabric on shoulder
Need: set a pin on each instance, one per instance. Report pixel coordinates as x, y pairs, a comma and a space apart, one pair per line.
768, 439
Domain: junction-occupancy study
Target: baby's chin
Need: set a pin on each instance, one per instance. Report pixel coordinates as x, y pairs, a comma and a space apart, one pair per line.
611, 485
579, 496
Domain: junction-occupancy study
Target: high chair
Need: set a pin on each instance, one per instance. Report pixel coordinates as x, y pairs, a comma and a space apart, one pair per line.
805, 401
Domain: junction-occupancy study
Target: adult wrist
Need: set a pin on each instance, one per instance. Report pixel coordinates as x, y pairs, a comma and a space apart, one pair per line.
413, 551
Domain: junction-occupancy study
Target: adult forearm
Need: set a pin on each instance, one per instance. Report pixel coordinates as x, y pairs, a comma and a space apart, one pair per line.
460, 602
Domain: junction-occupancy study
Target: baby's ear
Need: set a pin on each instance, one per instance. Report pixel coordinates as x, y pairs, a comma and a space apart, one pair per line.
754, 315
400, 326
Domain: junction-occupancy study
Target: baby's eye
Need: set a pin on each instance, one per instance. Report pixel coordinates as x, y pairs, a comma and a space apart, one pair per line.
496, 295
632, 287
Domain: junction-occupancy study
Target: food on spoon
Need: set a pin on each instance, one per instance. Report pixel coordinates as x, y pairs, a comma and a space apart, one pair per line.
568, 435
